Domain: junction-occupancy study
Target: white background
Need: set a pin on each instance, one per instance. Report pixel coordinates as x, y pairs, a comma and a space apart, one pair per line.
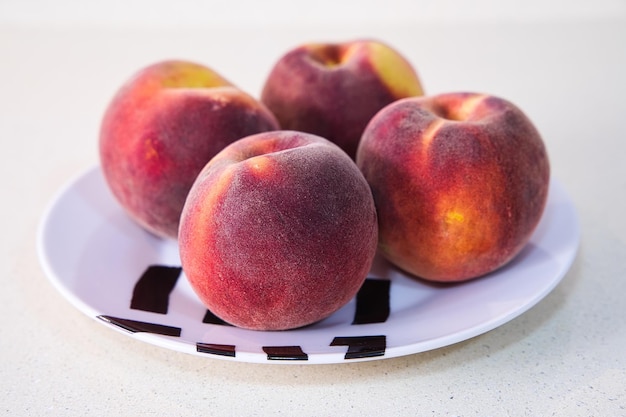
195, 12
563, 62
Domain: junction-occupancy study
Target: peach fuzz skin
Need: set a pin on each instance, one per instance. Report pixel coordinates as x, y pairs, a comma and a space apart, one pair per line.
460, 181
279, 231
333, 89
159, 131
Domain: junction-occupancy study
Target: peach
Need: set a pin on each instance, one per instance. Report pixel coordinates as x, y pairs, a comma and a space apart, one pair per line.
162, 127
333, 89
278, 231
460, 182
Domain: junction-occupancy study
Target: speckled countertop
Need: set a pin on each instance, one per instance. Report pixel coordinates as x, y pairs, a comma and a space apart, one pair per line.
564, 357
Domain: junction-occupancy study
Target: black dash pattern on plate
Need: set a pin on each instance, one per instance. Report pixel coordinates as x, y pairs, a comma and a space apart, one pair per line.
285, 353
211, 318
372, 302
152, 290
216, 349
362, 346
134, 326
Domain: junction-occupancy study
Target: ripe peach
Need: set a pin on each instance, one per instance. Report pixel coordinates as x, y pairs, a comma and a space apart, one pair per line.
278, 231
333, 90
460, 182
162, 127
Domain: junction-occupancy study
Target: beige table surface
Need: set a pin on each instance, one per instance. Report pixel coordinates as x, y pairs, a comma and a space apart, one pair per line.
564, 357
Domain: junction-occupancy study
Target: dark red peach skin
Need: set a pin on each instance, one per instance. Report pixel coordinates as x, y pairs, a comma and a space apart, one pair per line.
333, 90
159, 131
279, 231
460, 182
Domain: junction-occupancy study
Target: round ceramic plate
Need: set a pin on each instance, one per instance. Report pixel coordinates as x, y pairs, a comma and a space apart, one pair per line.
125, 278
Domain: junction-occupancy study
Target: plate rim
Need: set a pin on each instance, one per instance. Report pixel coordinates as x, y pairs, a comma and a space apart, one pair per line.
320, 358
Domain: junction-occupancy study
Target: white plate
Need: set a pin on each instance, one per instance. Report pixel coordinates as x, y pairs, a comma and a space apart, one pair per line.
94, 255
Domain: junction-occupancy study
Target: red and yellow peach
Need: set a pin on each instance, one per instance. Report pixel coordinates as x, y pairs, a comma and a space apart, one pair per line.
278, 231
162, 127
333, 89
460, 182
